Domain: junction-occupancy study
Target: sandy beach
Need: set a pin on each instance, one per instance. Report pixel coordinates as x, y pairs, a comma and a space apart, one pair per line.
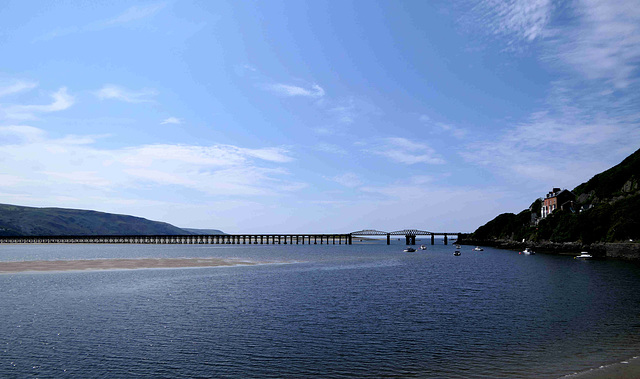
117, 264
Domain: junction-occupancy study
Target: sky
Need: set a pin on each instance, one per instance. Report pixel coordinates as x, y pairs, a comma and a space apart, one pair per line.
313, 116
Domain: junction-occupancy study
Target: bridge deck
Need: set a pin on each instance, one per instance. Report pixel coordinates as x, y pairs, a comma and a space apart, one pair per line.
230, 239
227, 239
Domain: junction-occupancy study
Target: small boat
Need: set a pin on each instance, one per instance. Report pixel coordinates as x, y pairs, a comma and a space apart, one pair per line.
478, 248
456, 253
423, 247
584, 255
457, 246
409, 250
527, 251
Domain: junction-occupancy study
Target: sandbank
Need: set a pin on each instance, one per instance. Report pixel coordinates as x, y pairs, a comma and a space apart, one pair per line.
118, 264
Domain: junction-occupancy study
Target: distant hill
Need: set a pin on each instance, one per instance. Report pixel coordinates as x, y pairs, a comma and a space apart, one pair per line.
203, 231
28, 221
607, 209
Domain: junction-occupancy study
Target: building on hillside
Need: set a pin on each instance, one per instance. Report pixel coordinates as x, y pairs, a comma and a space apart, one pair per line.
556, 199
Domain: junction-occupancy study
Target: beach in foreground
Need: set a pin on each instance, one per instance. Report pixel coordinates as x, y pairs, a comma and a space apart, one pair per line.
117, 264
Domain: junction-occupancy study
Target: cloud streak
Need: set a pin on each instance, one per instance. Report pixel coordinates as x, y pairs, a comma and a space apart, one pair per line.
18, 86
348, 179
75, 165
566, 145
289, 90
514, 20
405, 151
61, 101
135, 13
132, 14
591, 117
605, 44
171, 120
114, 92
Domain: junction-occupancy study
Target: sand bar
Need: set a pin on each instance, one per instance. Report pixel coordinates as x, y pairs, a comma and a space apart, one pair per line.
118, 264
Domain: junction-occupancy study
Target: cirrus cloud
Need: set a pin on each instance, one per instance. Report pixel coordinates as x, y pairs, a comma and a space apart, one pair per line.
114, 92
61, 101
290, 90
75, 165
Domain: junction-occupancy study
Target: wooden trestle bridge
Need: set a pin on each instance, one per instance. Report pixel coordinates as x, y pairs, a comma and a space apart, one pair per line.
228, 239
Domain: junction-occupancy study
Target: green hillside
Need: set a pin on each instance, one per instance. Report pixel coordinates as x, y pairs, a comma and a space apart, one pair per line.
607, 209
28, 221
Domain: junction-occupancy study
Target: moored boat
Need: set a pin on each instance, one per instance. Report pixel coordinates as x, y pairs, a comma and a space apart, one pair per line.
478, 248
584, 255
423, 247
456, 253
409, 250
527, 251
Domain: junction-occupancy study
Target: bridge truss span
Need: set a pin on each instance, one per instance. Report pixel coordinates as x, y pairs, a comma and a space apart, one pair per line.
369, 232
409, 234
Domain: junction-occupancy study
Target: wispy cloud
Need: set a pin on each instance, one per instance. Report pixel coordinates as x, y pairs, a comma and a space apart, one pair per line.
403, 150
566, 144
453, 130
348, 179
75, 165
61, 101
114, 92
338, 111
344, 112
599, 39
330, 148
133, 13
290, 90
605, 43
513, 20
171, 120
590, 118
16, 87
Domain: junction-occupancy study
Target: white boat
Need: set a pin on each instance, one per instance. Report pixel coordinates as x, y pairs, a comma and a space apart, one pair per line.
584, 255
457, 246
423, 247
527, 251
456, 253
409, 250
478, 248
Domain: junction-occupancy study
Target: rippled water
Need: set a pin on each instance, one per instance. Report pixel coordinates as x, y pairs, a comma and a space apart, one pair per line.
340, 311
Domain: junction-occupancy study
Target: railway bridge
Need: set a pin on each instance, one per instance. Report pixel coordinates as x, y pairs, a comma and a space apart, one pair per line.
229, 239
409, 234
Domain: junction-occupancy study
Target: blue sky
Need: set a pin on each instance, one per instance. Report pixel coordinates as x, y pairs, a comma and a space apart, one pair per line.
313, 116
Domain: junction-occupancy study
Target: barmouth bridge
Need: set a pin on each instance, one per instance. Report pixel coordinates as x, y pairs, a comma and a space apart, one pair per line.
234, 239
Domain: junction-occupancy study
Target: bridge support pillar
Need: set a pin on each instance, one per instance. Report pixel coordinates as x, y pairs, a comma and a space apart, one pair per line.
433, 239
350, 239
388, 239
445, 239
413, 240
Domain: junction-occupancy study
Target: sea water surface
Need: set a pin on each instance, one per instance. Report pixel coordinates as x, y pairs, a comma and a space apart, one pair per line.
365, 310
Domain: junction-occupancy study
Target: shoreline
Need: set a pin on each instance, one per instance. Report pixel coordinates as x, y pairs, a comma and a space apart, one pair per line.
10, 267
629, 251
629, 368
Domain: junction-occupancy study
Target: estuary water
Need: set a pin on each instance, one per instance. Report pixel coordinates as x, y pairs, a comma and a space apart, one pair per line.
365, 310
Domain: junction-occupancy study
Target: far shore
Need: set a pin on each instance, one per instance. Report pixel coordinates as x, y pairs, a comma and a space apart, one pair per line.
118, 264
